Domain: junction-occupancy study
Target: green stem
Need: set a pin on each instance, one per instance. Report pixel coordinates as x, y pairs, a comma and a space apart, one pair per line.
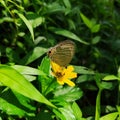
97, 112
118, 101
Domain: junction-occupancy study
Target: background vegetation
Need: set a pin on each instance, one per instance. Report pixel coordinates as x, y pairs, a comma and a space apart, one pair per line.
29, 28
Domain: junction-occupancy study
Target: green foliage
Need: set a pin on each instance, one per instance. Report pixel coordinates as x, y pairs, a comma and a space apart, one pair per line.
27, 88
17, 82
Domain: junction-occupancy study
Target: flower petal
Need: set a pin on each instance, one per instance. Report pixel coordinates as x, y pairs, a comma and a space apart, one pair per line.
69, 74
70, 68
70, 83
72, 75
55, 67
63, 74
61, 82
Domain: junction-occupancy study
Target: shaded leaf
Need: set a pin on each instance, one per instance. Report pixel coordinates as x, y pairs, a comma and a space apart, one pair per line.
67, 34
11, 109
96, 39
16, 104
28, 24
83, 70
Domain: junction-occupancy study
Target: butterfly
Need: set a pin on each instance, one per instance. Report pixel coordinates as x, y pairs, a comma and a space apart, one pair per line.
62, 53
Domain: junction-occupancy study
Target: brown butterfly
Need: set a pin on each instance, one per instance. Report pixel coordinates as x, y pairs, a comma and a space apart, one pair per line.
62, 53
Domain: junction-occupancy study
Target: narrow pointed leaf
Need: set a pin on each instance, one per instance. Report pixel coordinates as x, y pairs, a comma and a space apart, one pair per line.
28, 24
68, 34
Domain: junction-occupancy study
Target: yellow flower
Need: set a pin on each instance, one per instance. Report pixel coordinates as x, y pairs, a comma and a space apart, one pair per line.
63, 74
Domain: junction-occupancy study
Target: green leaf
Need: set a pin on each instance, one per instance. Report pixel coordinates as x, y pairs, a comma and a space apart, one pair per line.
30, 78
95, 28
119, 72
87, 22
68, 94
14, 80
13, 103
96, 39
71, 24
67, 34
6, 19
27, 70
67, 112
10, 109
91, 24
77, 111
33, 55
111, 116
83, 70
107, 85
45, 84
45, 65
12, 55
67, 3
43, 115
54, 7
59, 114
38, 21
28, 24
111, 77
35, 19
83, 78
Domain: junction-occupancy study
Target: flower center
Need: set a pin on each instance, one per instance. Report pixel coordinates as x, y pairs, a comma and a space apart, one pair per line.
59, 74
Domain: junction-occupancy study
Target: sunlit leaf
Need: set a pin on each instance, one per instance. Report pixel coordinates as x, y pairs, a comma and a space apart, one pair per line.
68, 94
68, 113
87, 22
95, 28
27, 70
110, 116
77, 111
111, 77
14, 80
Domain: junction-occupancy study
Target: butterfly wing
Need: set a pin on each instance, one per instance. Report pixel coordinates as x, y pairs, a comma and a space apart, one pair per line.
62, 53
